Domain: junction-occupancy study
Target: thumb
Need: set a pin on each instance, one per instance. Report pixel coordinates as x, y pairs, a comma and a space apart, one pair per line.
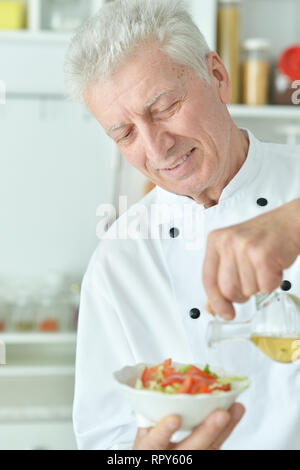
142, 432
158, 438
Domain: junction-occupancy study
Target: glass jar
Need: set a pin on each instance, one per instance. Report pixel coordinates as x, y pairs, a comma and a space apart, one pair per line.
6, 297
3, 313
47, 314
228, 42
256, 72
71, 299
50, 303
274, 328
74, 300
66, 15
23, 312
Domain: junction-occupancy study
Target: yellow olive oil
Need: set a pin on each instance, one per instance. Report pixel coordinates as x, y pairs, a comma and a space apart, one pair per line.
280, 349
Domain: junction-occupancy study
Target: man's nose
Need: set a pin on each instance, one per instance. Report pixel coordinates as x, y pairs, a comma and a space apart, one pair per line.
157, 144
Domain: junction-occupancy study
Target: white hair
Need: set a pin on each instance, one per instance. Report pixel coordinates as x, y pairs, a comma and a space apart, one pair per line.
104, 42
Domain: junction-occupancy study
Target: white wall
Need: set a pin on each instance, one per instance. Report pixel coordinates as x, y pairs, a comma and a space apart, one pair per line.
32, 67
56, 167
204, 14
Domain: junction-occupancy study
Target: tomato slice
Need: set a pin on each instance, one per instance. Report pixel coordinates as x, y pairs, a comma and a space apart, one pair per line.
201, 388
146, 376
173, 379
186, 386
200, 385
150, 373
193, 381
167, 363
225, 388
153, 370
195, 384
167, 368
194, 388
195, 370
167, 371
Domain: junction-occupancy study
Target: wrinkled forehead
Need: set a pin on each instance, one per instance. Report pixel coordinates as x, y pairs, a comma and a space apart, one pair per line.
148, 73
149, 65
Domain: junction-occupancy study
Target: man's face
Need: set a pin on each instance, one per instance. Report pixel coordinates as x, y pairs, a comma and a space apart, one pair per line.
161, 114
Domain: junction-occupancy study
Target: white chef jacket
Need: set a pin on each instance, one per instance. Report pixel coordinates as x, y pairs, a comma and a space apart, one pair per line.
136, 298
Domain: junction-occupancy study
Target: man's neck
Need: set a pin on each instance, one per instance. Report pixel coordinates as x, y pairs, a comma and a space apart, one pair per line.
239, 143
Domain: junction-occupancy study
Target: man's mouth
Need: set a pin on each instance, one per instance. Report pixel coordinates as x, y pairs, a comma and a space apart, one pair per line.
179, 163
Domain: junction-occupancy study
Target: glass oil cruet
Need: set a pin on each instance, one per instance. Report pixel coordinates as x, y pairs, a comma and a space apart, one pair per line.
274, 328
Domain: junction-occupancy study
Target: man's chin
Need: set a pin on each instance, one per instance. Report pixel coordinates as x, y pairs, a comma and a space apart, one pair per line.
179, 190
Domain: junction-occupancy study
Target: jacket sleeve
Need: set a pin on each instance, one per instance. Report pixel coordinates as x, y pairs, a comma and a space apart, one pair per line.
102, 418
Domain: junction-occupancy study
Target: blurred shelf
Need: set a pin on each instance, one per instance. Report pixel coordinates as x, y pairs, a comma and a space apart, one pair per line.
36, 413
38, 338
265, 112
38, 37
2, 353
37, 371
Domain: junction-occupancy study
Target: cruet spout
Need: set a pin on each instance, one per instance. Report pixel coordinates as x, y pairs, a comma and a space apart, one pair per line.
218, 331
274, 328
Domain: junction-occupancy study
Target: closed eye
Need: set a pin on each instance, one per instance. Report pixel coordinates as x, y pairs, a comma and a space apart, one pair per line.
169, 108
126, 136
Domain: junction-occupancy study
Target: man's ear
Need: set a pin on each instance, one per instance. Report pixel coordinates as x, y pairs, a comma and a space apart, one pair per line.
219, 77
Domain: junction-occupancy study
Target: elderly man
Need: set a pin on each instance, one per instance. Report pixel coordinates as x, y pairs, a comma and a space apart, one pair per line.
230, 206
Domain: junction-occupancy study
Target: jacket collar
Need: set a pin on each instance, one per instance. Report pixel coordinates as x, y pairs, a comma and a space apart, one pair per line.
245, 176
248, 172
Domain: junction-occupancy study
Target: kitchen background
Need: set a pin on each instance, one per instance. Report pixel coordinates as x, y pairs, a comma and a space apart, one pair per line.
58, 166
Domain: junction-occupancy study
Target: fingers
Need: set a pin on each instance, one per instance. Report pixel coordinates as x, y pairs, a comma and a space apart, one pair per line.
209, 309
210, 434
266, 266
204, 435
158, 437
236, 411
247, 275
268, 277
218, 303
229, 276
234, 269
262, 248
142, 432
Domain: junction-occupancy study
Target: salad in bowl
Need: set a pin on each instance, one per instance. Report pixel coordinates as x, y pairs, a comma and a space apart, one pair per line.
188, 390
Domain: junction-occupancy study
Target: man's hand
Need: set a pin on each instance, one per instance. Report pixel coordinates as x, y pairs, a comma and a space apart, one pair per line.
209, 435
250, 257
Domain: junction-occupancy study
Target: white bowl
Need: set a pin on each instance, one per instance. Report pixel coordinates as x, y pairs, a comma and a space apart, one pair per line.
151, 406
